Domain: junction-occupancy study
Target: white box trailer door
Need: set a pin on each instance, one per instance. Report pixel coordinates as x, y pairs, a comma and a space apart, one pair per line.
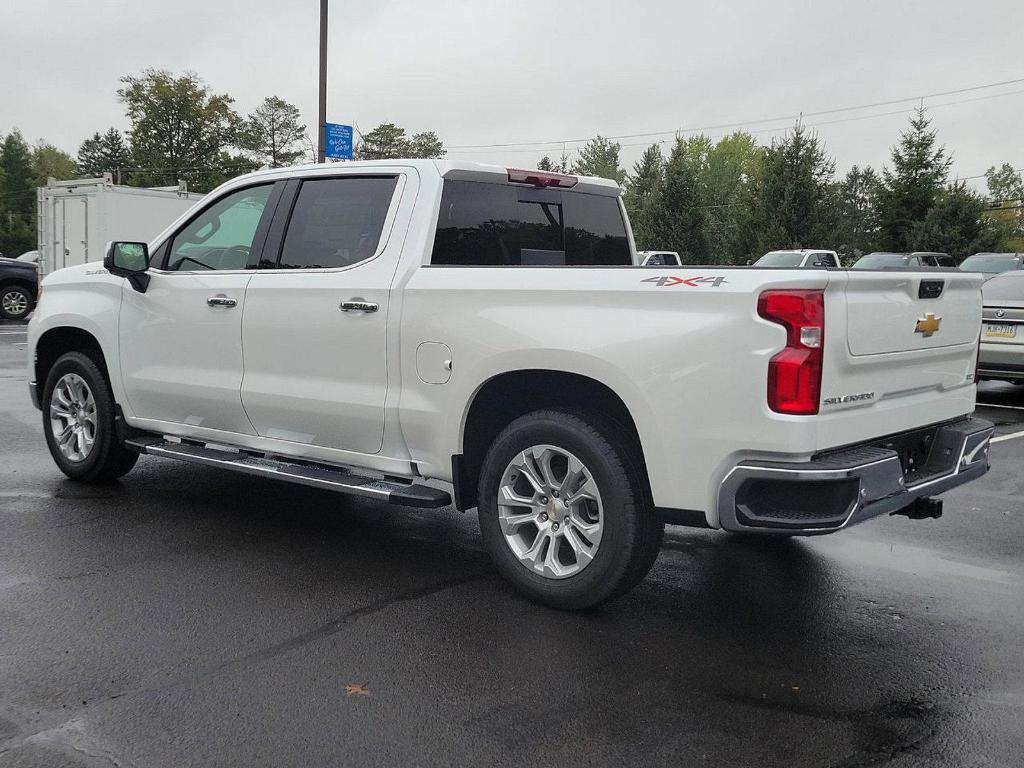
70, 230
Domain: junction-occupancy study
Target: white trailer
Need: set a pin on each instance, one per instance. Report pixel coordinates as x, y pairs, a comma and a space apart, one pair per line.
78, 217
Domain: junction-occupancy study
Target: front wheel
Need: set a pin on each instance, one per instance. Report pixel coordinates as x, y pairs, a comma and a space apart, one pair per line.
562, 511
78, 419
15, 302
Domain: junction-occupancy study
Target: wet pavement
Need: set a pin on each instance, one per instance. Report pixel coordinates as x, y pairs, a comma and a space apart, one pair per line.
188, 616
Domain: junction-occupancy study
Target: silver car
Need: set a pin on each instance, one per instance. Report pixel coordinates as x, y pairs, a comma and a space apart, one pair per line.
1002, 330
991, 264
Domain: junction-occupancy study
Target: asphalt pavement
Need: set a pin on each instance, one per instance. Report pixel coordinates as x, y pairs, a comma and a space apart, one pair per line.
189, 616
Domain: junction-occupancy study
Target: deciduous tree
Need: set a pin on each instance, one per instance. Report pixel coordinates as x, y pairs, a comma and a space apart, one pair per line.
180, 130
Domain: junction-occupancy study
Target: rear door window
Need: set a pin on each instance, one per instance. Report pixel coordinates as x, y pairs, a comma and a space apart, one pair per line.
483, 224
336, 222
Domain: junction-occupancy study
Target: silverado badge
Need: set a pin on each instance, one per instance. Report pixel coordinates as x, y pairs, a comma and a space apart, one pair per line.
928, 325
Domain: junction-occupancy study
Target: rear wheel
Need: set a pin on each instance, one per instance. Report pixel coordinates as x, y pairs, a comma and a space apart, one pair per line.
78, 419
562, 511
15, 302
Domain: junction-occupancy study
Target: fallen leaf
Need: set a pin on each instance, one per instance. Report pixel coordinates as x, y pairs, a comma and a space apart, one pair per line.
356, 689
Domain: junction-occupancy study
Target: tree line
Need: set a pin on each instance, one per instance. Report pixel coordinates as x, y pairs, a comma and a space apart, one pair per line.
731, 200
714, 201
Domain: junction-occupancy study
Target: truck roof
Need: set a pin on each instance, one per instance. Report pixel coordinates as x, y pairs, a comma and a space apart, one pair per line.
448, 169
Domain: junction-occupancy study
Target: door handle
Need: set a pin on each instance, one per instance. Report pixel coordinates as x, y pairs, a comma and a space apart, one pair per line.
358, 305
221, 300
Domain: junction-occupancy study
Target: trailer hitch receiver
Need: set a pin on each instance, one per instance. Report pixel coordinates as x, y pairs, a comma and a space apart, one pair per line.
922, 509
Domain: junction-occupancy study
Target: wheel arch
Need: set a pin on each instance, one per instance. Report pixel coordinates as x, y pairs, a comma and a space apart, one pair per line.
57, 341
508, 395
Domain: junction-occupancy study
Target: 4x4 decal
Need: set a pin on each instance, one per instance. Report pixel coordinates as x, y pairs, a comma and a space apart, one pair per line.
692, 282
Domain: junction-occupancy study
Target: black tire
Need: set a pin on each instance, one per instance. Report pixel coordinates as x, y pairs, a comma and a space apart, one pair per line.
21, 296
631, 536
108, 458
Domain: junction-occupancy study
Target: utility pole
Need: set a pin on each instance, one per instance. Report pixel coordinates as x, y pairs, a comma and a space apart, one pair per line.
321, 145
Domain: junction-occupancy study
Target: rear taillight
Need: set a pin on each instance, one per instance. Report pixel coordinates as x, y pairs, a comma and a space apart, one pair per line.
541, 178
794, 374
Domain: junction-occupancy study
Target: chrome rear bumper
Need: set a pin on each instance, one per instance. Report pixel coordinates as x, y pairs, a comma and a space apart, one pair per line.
840, 488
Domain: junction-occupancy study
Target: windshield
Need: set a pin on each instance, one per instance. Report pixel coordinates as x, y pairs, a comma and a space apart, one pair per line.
29, 256
780, 259
1004, 288
879, 260
991, 263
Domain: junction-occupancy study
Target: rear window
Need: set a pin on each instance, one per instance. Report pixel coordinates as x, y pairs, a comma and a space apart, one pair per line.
481, 224
991, 263
1008, 287
880, 260
336, 222
780, 259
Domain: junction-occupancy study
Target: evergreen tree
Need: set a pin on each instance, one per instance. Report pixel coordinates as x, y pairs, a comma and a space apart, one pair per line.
908, 191
790, 204
678, 212
388, 141
641, 191
426, 145
17, 196
856, 213
600, 157
956, 224
272, 132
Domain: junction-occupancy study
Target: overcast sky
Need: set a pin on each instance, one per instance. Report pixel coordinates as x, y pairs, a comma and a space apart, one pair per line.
511, 72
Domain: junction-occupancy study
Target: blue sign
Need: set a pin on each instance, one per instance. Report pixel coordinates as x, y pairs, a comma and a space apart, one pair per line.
339, 141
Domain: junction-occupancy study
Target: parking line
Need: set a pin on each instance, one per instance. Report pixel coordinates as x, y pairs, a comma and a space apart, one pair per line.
996, 405
1010, 436
13, 333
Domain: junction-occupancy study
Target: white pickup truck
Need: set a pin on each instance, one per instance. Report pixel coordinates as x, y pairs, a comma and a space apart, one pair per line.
407, 330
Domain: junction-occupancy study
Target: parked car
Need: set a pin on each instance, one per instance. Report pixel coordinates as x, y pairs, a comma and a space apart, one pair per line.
659, 258
884, 260
19, 284
933, 259
806, 257
32, 257
991, 264
381, 329
1002, 332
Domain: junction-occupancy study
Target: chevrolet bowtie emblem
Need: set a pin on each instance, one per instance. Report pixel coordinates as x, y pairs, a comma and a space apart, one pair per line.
928, 325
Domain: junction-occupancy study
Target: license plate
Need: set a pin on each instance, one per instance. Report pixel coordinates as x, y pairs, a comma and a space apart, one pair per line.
1000, 331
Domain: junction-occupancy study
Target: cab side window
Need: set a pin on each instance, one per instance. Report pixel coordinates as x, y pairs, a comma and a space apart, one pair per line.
221, 236
337, 222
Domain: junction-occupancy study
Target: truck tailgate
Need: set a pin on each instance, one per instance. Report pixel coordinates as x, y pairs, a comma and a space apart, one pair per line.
904, 312
900, 352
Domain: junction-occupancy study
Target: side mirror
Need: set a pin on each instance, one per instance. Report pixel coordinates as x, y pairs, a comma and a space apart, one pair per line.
130, 260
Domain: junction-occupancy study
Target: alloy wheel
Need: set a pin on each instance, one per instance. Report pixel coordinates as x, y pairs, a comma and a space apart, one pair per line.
550, 511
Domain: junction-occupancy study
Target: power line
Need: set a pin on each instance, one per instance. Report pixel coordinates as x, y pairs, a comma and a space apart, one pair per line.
742, 123
772, 129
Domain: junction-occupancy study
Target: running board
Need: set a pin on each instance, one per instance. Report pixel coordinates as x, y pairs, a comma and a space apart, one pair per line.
316, 475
